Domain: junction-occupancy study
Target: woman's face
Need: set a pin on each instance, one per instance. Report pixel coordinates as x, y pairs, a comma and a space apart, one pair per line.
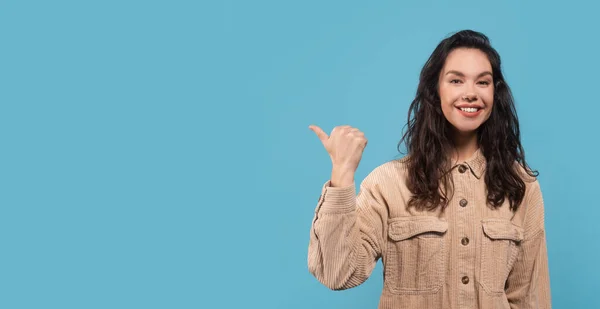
466, 89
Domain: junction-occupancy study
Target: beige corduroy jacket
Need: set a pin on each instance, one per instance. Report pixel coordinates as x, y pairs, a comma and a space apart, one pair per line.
467, 256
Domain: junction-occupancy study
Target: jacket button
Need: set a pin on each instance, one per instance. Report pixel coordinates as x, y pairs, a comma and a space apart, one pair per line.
464, 241
462, 168
465, 280
463, 202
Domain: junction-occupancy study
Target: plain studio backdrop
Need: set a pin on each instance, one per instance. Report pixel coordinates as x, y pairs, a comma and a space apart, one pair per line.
156, 154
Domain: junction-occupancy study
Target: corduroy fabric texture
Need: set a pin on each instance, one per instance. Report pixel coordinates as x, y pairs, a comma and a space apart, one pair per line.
467, 256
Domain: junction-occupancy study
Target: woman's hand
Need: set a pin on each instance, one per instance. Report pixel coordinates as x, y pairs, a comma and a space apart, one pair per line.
345, 146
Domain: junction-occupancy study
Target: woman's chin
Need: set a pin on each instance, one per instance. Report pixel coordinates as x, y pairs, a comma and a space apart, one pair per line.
466, 129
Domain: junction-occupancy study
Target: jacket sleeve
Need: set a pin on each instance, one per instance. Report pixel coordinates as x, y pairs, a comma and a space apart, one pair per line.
528, 284
346, 235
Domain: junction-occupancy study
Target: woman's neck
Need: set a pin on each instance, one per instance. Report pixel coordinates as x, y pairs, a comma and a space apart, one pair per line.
465, 146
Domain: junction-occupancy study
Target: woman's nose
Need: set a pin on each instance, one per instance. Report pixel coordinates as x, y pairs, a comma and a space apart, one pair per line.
469, 97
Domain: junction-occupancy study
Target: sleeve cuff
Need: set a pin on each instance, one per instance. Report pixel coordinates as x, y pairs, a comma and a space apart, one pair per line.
337, 199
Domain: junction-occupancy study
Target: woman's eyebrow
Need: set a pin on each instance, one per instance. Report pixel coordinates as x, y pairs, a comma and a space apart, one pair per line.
458, 73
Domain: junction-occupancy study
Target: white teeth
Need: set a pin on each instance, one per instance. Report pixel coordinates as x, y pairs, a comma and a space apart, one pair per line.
469, 109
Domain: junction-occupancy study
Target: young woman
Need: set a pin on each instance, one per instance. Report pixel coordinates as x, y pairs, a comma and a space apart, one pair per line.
459, 220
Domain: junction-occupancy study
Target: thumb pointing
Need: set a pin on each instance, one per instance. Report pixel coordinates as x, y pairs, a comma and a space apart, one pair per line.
320, 133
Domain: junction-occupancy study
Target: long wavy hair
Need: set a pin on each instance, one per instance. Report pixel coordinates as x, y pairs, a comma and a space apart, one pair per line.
429, 142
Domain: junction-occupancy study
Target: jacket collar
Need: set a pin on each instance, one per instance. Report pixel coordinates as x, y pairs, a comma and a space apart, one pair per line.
476, 163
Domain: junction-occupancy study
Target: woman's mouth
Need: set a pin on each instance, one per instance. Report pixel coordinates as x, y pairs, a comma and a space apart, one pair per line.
469, 111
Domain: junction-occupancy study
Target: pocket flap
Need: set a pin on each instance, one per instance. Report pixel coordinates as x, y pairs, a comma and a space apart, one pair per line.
502, 229
409, 227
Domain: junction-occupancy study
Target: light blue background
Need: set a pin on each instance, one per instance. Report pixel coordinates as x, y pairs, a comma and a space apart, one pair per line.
156, 154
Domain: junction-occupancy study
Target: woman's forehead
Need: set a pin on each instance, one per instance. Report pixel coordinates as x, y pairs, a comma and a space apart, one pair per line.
467, 62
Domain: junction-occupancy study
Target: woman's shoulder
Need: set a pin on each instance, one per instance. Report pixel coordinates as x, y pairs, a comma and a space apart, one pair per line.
393, 166
393, 170
527, 174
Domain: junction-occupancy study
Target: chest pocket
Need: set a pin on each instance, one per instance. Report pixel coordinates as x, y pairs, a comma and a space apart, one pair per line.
415, 255
500, 247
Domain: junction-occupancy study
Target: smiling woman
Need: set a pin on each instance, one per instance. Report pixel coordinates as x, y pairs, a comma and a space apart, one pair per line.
458, 221
467, 94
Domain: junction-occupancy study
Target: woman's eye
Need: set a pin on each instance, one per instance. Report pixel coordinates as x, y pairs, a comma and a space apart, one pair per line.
484, 82
455, 81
